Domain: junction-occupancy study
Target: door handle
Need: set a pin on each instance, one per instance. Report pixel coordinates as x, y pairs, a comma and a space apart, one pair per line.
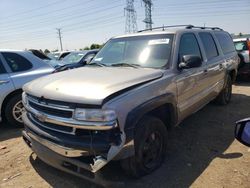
4, 82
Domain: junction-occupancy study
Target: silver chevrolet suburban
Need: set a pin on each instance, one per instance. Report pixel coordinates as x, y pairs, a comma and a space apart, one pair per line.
123, 104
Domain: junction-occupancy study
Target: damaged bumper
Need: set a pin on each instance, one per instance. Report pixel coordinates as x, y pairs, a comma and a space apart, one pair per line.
88, 151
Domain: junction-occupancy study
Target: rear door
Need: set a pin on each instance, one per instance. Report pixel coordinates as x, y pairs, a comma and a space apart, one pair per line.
215, 72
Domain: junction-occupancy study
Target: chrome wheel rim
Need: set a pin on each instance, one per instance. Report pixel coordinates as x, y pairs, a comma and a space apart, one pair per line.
17, 111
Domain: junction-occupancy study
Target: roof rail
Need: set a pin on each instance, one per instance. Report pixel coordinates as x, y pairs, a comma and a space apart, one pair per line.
185, 26
166, 26
201, 27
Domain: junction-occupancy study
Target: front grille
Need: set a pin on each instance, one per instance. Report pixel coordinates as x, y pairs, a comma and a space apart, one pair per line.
50, 126
50, 107
51, 111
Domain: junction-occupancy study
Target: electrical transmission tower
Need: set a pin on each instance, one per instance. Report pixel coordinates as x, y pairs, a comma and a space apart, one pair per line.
148, 13
60, 37
131, 25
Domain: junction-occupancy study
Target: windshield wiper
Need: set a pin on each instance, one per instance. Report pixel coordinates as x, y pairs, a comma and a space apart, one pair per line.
98, 64
125, 64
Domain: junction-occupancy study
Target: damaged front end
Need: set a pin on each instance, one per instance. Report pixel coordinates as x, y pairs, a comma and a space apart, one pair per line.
69, 144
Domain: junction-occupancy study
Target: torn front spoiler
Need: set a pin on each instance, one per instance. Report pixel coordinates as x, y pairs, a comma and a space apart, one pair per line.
67, 158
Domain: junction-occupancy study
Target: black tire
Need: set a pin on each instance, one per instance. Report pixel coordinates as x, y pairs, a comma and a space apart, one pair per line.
225, 96
150, 132
8, 111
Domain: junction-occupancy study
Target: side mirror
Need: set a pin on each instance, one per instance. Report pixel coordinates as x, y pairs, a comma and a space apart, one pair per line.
242, 131
190, 61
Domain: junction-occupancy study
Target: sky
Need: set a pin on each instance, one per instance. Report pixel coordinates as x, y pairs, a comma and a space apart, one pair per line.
26, 24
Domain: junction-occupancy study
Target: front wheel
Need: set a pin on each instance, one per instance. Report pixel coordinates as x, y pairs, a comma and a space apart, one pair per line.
14, 110
225, 96
150, 147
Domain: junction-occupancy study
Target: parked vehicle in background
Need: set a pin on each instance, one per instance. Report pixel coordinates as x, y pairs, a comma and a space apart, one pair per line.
242, 131
242, 46
122, 105
40, 54
76, 59
16, 69
61, 54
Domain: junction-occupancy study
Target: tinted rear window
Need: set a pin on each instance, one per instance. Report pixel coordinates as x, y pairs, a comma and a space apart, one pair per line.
17, 62
209, 45
226, 42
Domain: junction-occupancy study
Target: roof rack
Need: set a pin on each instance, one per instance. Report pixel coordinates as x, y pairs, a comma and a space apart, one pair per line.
185, 26
165, 26
201, 27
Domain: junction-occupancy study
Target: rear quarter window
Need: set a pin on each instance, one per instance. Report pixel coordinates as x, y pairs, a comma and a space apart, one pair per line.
17, 62
226, 42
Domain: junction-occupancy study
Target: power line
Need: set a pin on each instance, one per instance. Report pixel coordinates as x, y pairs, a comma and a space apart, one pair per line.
130, 25
62, 19
60, 37
148, 13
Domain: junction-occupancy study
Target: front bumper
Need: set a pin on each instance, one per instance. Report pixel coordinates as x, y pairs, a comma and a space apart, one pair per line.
73, 152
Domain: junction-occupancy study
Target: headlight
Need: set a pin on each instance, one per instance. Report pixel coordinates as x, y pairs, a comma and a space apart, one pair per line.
94, 115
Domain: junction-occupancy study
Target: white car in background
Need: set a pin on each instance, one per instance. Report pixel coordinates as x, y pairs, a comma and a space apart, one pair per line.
16, 69
242, 46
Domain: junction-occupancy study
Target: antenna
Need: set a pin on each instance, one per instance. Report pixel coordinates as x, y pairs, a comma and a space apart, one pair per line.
148, 13
131, 25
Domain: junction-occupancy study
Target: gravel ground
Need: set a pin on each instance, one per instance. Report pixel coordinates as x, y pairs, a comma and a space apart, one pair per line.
202, 152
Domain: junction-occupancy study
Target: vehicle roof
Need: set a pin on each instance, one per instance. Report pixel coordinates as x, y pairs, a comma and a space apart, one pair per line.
85, 51
240, 39
11, 50
167, 31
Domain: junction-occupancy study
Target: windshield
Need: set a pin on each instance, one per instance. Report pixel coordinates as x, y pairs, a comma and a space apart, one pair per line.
240, 45
73, 57
146, 51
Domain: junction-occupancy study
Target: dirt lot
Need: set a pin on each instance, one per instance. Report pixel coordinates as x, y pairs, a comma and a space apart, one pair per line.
202, 152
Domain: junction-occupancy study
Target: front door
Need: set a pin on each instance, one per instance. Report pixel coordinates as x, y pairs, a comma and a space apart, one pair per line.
190, 82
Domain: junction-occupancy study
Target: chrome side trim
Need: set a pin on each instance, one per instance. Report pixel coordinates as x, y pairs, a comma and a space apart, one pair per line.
64, 151
70, 122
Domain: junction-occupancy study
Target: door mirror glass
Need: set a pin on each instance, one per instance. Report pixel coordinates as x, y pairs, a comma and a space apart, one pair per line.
242, 131
190, 61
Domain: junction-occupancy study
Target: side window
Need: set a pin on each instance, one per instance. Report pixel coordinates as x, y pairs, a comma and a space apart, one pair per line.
226, 42
2, 69
189, 45
209, 45
17, 62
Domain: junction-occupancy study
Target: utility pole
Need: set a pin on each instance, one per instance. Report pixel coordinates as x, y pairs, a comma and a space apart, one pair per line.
131, 25
148, 13
60, 37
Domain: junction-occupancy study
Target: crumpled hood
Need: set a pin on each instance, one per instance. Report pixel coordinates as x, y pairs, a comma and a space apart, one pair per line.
89, 85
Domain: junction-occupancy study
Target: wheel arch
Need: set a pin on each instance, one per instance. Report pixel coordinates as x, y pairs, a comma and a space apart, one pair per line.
7, 98
162, 107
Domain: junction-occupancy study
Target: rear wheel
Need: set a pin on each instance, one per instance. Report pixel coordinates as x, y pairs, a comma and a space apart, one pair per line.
14, 110
150, 147
225, 95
